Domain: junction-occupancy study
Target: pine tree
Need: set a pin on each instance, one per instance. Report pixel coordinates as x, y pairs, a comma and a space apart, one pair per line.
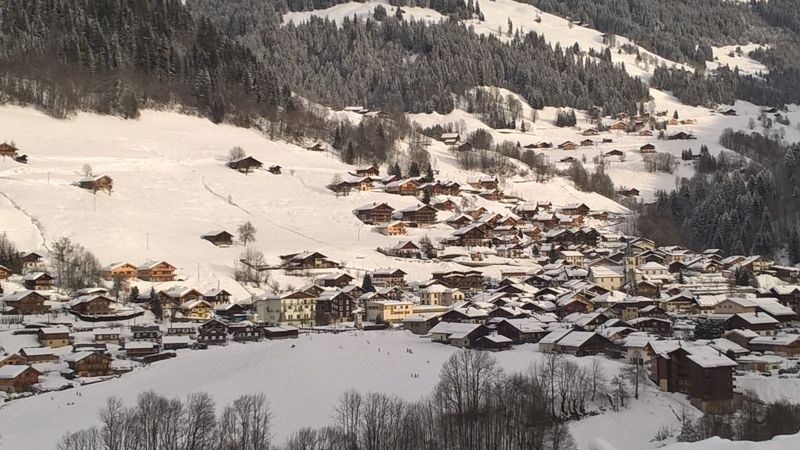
367, 285
426, 195
413, 169
349, 156
742, 277
794, 246
155, 305
429, 174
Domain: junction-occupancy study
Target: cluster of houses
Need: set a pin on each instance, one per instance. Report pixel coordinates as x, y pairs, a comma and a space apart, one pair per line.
94, 351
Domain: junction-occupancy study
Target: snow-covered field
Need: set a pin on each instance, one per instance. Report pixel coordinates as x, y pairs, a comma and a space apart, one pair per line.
171, 186
303, 380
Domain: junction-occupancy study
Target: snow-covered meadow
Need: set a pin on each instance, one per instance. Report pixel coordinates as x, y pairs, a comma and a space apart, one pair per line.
303, 380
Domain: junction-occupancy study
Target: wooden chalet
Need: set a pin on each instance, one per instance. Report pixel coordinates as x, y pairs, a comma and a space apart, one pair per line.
367, 171
589, 132
333, 307
681, 135
618, 126
245, 165
217, 296
443, 204
419, 214
213, 332
178, 295
244, 331
121, 270
197, 309
587, 143
89, 364
33, 355
405, 249
374, 213
5, 272
16, 378
139, 349
632, 192
306, 261
7, 149
646, 132
38, 281
157, 271
701, 372
338, 280
388, 277
53, 337
576, 209
274, 169
219, 238
450, 138
404, 187
614, 153
13, 360
395, 228
568, 145
25, 303
97, 183
522, 331
466, 281
647, 148
91, 305
149, 333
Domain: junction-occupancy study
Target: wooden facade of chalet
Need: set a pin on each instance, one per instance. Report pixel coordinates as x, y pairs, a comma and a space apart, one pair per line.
568, 145
7, 149
647, 148
5, 272
217, 296
580, 209
123, 271
38, 281
466, 281
395, 228
33, 355
156, 271
367, 171
92, 305
245, 332
53, 337
13, 360
213, 332
219, 238
334, 308
389, 278
26, 302
420, 214
403, 187
709, 386
90, 364
375, 213
14, 378
245, 165
307, 260
444, 205
520, 334
97, 183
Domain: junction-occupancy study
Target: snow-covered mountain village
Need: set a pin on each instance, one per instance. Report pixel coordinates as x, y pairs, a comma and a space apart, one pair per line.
599, 277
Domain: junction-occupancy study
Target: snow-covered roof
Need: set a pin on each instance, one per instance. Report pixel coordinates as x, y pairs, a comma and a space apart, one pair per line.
12, 371
449, 328
554, 336
37, 351
708, 357
758, 319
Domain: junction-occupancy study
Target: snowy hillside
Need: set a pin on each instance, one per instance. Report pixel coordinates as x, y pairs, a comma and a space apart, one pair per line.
303, 380
630, 172
171, 186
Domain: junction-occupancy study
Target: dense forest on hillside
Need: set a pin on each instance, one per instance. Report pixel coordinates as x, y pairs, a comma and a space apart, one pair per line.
679, 30
742, 206
112, 56
399, 65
